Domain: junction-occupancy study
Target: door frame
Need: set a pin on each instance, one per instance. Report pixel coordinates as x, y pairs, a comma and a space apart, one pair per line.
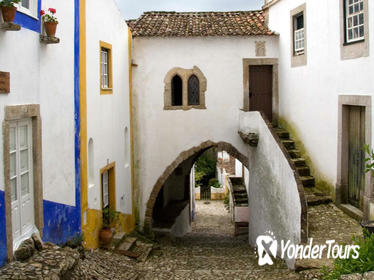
15, 113
247, 62
341, 191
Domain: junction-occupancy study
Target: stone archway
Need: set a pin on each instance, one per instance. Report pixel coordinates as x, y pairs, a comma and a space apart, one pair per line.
180, 159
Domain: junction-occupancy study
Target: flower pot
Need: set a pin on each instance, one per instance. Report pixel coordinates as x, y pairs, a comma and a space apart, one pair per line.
50, 28
8, 13
369, 226
105, 235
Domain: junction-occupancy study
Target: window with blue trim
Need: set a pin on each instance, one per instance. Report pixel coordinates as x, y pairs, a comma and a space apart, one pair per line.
28, 7
28, 14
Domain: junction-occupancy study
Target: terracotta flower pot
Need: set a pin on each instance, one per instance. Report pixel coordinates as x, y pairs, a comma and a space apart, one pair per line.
50, 28
105, 235
9, 13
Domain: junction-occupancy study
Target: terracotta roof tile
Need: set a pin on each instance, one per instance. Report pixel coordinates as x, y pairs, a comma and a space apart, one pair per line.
199, 24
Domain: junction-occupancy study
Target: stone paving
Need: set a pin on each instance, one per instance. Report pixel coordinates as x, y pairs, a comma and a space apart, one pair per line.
210, 251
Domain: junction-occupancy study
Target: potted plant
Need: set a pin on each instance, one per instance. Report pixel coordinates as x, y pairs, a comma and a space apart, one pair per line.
110, 217
50, 21
8, 9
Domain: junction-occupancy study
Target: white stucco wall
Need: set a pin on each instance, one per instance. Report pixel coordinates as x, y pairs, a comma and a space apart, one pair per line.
44, 74
308, 94
108, 115
162, 135
274, 202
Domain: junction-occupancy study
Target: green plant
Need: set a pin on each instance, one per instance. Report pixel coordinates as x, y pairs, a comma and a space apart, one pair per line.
205, 169
9, 3
369, 161
49, 16
110, 217
364, 263
214, 183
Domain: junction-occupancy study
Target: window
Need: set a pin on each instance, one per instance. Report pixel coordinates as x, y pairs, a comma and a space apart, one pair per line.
184, 89
298, 39
105, 68
193, 90
354, 20
28, 7
299, 34
176, 91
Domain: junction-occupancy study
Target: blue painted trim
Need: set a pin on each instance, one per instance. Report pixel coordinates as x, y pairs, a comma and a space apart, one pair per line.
29, 22
3, 250
61, 222
77, 118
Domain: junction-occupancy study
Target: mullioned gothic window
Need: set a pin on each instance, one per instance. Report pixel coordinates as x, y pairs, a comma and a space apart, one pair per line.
184, 89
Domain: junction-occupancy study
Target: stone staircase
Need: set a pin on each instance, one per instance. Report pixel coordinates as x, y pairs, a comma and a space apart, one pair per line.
240, 199
313, 195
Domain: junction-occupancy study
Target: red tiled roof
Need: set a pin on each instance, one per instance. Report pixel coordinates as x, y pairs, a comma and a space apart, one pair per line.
196, 24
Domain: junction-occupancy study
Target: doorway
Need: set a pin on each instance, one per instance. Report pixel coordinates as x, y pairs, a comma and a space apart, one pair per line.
108, 192
21, 180
261, 89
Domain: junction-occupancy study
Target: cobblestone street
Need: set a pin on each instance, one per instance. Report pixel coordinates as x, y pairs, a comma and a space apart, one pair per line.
210, 251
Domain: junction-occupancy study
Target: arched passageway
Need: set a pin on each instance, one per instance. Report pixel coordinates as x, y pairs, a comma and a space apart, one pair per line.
187, 159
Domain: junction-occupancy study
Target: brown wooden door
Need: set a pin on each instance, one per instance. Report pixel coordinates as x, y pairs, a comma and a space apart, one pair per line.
261, 89
356, 164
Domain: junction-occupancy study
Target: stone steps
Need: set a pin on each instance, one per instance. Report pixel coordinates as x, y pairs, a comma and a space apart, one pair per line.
135, 249
308, 181
302, 168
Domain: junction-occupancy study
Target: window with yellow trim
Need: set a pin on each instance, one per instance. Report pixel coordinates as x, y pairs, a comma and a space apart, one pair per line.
106, 85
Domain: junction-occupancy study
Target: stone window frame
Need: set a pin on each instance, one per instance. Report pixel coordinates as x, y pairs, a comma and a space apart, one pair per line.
247, 62
14, 113
184, 74
355, 49
298, 59
342, 173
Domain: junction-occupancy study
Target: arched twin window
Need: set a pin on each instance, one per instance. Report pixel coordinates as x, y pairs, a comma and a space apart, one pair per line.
184, 89
193, 91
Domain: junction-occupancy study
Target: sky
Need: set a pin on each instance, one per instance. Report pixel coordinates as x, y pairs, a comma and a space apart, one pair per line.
133, 9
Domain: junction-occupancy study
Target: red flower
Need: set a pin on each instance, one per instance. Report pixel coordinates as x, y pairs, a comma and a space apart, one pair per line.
53, 11
42, 12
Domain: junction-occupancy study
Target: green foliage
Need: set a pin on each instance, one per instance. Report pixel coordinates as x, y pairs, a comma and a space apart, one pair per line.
9, 3
205, 169
110, 217
214, 183
364, 263
369, 162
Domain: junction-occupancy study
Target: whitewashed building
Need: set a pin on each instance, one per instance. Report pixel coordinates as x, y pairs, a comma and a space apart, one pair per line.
38, 190
192, 78
326, 90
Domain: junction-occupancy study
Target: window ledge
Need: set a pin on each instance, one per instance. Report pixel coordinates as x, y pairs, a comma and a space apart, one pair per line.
185, 107
106, 90
354, 42
49, 39
10, 26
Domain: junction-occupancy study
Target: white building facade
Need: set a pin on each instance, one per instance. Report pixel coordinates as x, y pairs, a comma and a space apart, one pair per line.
325, 90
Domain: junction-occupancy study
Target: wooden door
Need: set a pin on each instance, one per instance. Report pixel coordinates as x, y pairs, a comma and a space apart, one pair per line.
261, 89
356, 160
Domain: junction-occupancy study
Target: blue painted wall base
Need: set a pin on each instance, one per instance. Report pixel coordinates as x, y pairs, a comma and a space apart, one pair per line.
3, 253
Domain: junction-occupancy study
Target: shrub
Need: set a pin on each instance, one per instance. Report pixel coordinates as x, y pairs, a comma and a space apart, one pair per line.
364, 263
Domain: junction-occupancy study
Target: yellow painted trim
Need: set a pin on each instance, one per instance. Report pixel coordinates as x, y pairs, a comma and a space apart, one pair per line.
111, 168
131, 127
108, 47
83, 111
